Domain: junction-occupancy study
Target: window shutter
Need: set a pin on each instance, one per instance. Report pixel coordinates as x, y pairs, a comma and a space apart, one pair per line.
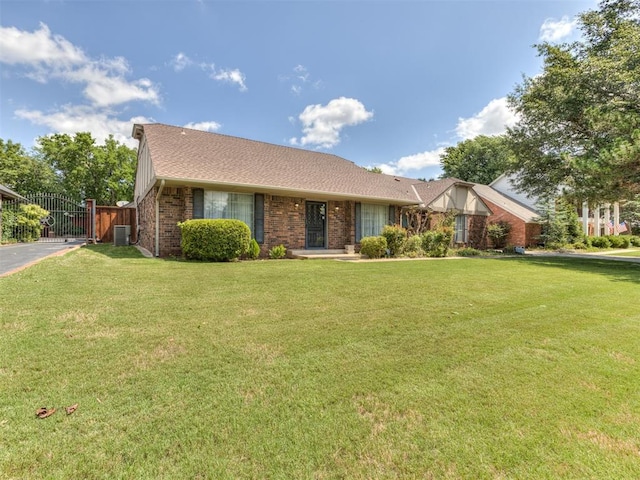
405, 220
392, 215
198, 202
358, 222
258, 217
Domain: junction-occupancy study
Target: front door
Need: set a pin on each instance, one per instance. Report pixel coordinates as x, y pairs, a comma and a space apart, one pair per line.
316, 224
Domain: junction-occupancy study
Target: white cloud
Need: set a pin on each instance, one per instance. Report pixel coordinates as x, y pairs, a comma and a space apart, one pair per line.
48, 57
418, 161
204, 126
231, 76
79, 118
491, 120
553, 30
322, 124
180, 62
38, 48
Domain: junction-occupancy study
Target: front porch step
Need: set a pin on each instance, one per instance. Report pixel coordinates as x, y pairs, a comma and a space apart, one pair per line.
338, 254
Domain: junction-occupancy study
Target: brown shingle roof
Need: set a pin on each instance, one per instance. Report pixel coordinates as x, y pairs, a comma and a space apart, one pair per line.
201, 157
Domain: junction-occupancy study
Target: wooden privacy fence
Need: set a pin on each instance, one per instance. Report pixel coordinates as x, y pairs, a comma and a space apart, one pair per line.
108, 217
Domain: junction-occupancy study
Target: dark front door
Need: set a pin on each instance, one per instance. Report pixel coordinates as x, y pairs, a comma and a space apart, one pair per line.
316, 224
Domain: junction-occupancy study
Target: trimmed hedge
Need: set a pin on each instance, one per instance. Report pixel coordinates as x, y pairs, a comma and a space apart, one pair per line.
218, 240
396, 237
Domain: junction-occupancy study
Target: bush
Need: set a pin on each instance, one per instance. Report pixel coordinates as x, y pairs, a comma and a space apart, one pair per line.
634, 240
600, 242
27, 222
498, 233
278, 252
219, 240
254, 250
435, 243
373, 247
396, 237
618, 241
413, 247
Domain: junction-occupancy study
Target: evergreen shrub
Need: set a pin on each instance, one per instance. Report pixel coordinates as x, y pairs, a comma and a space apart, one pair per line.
254, 250
217, 240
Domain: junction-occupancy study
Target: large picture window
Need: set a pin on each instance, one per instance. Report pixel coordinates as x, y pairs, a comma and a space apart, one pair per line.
237, 206
374, 218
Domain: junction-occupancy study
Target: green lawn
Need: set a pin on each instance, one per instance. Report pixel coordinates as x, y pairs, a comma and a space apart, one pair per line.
505, 368
631, 253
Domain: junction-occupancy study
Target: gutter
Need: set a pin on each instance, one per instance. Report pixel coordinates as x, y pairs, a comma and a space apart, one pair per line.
158, 217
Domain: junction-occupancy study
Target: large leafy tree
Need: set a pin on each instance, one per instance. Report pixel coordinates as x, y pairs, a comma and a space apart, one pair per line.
481, 159
579, 125
86, 170
22, 172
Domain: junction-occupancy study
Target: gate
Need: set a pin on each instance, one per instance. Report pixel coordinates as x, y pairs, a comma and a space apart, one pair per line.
45, 217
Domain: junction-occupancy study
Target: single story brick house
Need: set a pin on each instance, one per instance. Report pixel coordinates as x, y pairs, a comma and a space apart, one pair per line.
299, 198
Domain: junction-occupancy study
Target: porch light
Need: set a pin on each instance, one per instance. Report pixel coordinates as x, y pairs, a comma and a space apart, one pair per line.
337, 209
296, 205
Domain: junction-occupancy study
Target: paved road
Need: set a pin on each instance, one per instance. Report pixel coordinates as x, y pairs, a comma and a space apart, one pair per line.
17, 256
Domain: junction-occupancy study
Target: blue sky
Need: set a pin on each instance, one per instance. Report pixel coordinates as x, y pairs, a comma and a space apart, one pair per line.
380, 83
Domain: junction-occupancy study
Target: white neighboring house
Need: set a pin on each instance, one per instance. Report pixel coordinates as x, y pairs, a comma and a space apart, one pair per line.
597, 221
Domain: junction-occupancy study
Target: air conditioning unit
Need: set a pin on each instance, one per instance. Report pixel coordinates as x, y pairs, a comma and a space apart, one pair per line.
121, 235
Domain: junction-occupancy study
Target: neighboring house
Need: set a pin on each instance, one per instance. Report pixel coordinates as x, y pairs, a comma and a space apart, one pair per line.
598, 219
7, 194
525, 228
299, 198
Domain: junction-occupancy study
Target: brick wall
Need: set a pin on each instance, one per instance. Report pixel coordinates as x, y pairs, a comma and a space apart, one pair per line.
284, 223
147, 221
477, 235
521, 234
175, 205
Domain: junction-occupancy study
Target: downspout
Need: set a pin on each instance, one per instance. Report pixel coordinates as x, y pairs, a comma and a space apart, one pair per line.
158, 217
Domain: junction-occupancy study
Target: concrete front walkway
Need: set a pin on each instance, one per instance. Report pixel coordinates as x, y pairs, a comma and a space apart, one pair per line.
18, 256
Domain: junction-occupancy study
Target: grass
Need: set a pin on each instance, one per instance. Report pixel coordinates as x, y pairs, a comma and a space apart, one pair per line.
630, 253
470, 368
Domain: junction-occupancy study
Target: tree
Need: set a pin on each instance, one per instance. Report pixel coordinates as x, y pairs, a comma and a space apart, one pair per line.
374, 169
579, 120
86, 170
24, 173
481, 159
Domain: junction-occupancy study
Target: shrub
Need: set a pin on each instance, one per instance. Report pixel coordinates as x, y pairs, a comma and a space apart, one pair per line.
396, 237
635, 241
435, 243
219, 240
373, 247
498, 233
600, 242
413, 247
254, 250
27, 222
278, 252
618, 241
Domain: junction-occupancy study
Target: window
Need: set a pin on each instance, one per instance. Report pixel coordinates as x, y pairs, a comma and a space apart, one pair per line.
237, 206
374, 218
461, 233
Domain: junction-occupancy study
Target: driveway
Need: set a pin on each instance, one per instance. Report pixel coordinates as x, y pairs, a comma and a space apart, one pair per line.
18, 256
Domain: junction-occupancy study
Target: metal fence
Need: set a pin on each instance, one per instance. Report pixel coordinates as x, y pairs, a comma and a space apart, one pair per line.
45, 217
